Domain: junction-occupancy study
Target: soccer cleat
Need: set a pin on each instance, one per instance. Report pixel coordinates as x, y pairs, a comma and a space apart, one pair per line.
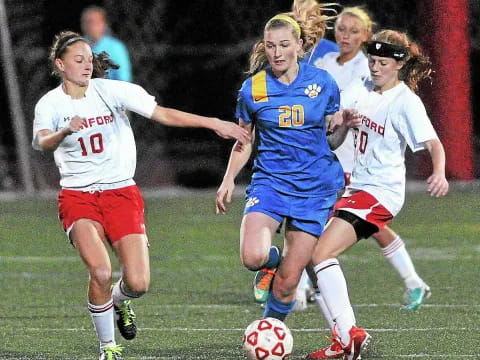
332, 351
113, 352
126, 320
414, 298
359, 340
262, 284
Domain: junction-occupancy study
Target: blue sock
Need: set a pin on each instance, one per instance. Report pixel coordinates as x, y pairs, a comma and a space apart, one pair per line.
277, 309
273, 258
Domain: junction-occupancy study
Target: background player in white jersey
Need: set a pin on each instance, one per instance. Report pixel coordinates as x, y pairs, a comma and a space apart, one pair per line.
352, 28
393, 116
84, 122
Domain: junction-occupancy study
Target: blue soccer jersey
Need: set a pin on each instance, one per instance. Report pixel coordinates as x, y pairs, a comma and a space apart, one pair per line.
320, 50
293, 155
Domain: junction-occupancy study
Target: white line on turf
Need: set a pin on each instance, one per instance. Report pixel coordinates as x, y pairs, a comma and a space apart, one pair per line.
444, 254
181, 329
246, 307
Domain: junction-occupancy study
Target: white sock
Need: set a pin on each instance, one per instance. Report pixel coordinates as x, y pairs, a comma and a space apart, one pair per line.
102, 317
333, 287
322, 306
302, 284
120, 294
397, 255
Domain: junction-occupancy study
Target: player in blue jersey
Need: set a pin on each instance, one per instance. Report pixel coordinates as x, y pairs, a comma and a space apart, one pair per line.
289, 106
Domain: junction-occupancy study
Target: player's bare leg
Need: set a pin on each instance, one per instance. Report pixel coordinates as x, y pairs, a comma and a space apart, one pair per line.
89, 239
393, 248
257, 253
132, 252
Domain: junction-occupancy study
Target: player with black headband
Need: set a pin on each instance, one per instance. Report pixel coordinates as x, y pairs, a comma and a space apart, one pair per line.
393, 116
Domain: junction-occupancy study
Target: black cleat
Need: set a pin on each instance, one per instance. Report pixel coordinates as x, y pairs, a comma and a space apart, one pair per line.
126, 320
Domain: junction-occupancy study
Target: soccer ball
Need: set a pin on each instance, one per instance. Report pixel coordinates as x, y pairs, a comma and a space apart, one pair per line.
267, 339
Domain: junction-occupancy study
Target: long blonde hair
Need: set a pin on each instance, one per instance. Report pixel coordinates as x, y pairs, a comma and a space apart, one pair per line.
312, 23
417, 66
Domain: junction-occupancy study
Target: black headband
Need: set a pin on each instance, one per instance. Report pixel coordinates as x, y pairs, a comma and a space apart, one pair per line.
382, 49
69, 42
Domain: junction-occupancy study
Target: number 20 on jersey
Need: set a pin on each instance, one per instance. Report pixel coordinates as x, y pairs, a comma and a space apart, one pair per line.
291, 116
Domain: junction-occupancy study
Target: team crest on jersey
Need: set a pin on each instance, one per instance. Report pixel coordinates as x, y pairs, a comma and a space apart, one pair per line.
313, 90
252, 201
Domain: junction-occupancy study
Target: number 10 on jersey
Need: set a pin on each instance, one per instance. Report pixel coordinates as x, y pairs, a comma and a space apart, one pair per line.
95, 144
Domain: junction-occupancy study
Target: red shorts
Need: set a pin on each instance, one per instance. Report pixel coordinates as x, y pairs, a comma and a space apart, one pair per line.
119, 211
366, 207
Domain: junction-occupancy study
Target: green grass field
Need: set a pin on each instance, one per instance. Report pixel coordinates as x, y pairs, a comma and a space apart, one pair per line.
200, 299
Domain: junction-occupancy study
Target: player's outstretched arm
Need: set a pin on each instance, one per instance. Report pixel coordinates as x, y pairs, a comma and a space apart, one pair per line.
238, 159
437, 183
225, 129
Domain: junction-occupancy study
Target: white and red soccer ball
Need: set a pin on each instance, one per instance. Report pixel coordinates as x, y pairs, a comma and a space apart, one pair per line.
267, 339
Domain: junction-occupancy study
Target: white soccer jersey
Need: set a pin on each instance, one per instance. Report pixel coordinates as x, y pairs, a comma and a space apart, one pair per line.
356, 68
390, 122
104, 150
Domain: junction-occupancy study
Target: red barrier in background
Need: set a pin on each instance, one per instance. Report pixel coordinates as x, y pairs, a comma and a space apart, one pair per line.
444, 36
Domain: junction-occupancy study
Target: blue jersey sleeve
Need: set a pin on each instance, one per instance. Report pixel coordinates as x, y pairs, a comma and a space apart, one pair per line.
243, 107
334, 102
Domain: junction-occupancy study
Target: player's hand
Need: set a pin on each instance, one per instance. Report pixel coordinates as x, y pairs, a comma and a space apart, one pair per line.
229, 130
351, 118
75, 125
437, 185
224, 191
336, 120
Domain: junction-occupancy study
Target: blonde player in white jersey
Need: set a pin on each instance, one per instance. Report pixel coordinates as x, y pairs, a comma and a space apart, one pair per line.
84, 122
393, 116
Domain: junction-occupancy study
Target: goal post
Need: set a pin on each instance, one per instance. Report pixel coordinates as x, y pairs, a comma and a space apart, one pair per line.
444, 35
17, 115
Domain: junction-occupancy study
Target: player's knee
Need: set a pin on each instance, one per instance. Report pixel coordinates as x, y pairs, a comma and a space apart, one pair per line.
324, 254
254, 262
136, 286
101, 275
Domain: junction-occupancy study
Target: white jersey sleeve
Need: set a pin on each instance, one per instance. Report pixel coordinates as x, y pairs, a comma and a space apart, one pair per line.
131, 96
413, 123
45, 118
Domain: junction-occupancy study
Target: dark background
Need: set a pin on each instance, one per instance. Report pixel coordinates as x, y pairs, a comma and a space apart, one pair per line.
192, 56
